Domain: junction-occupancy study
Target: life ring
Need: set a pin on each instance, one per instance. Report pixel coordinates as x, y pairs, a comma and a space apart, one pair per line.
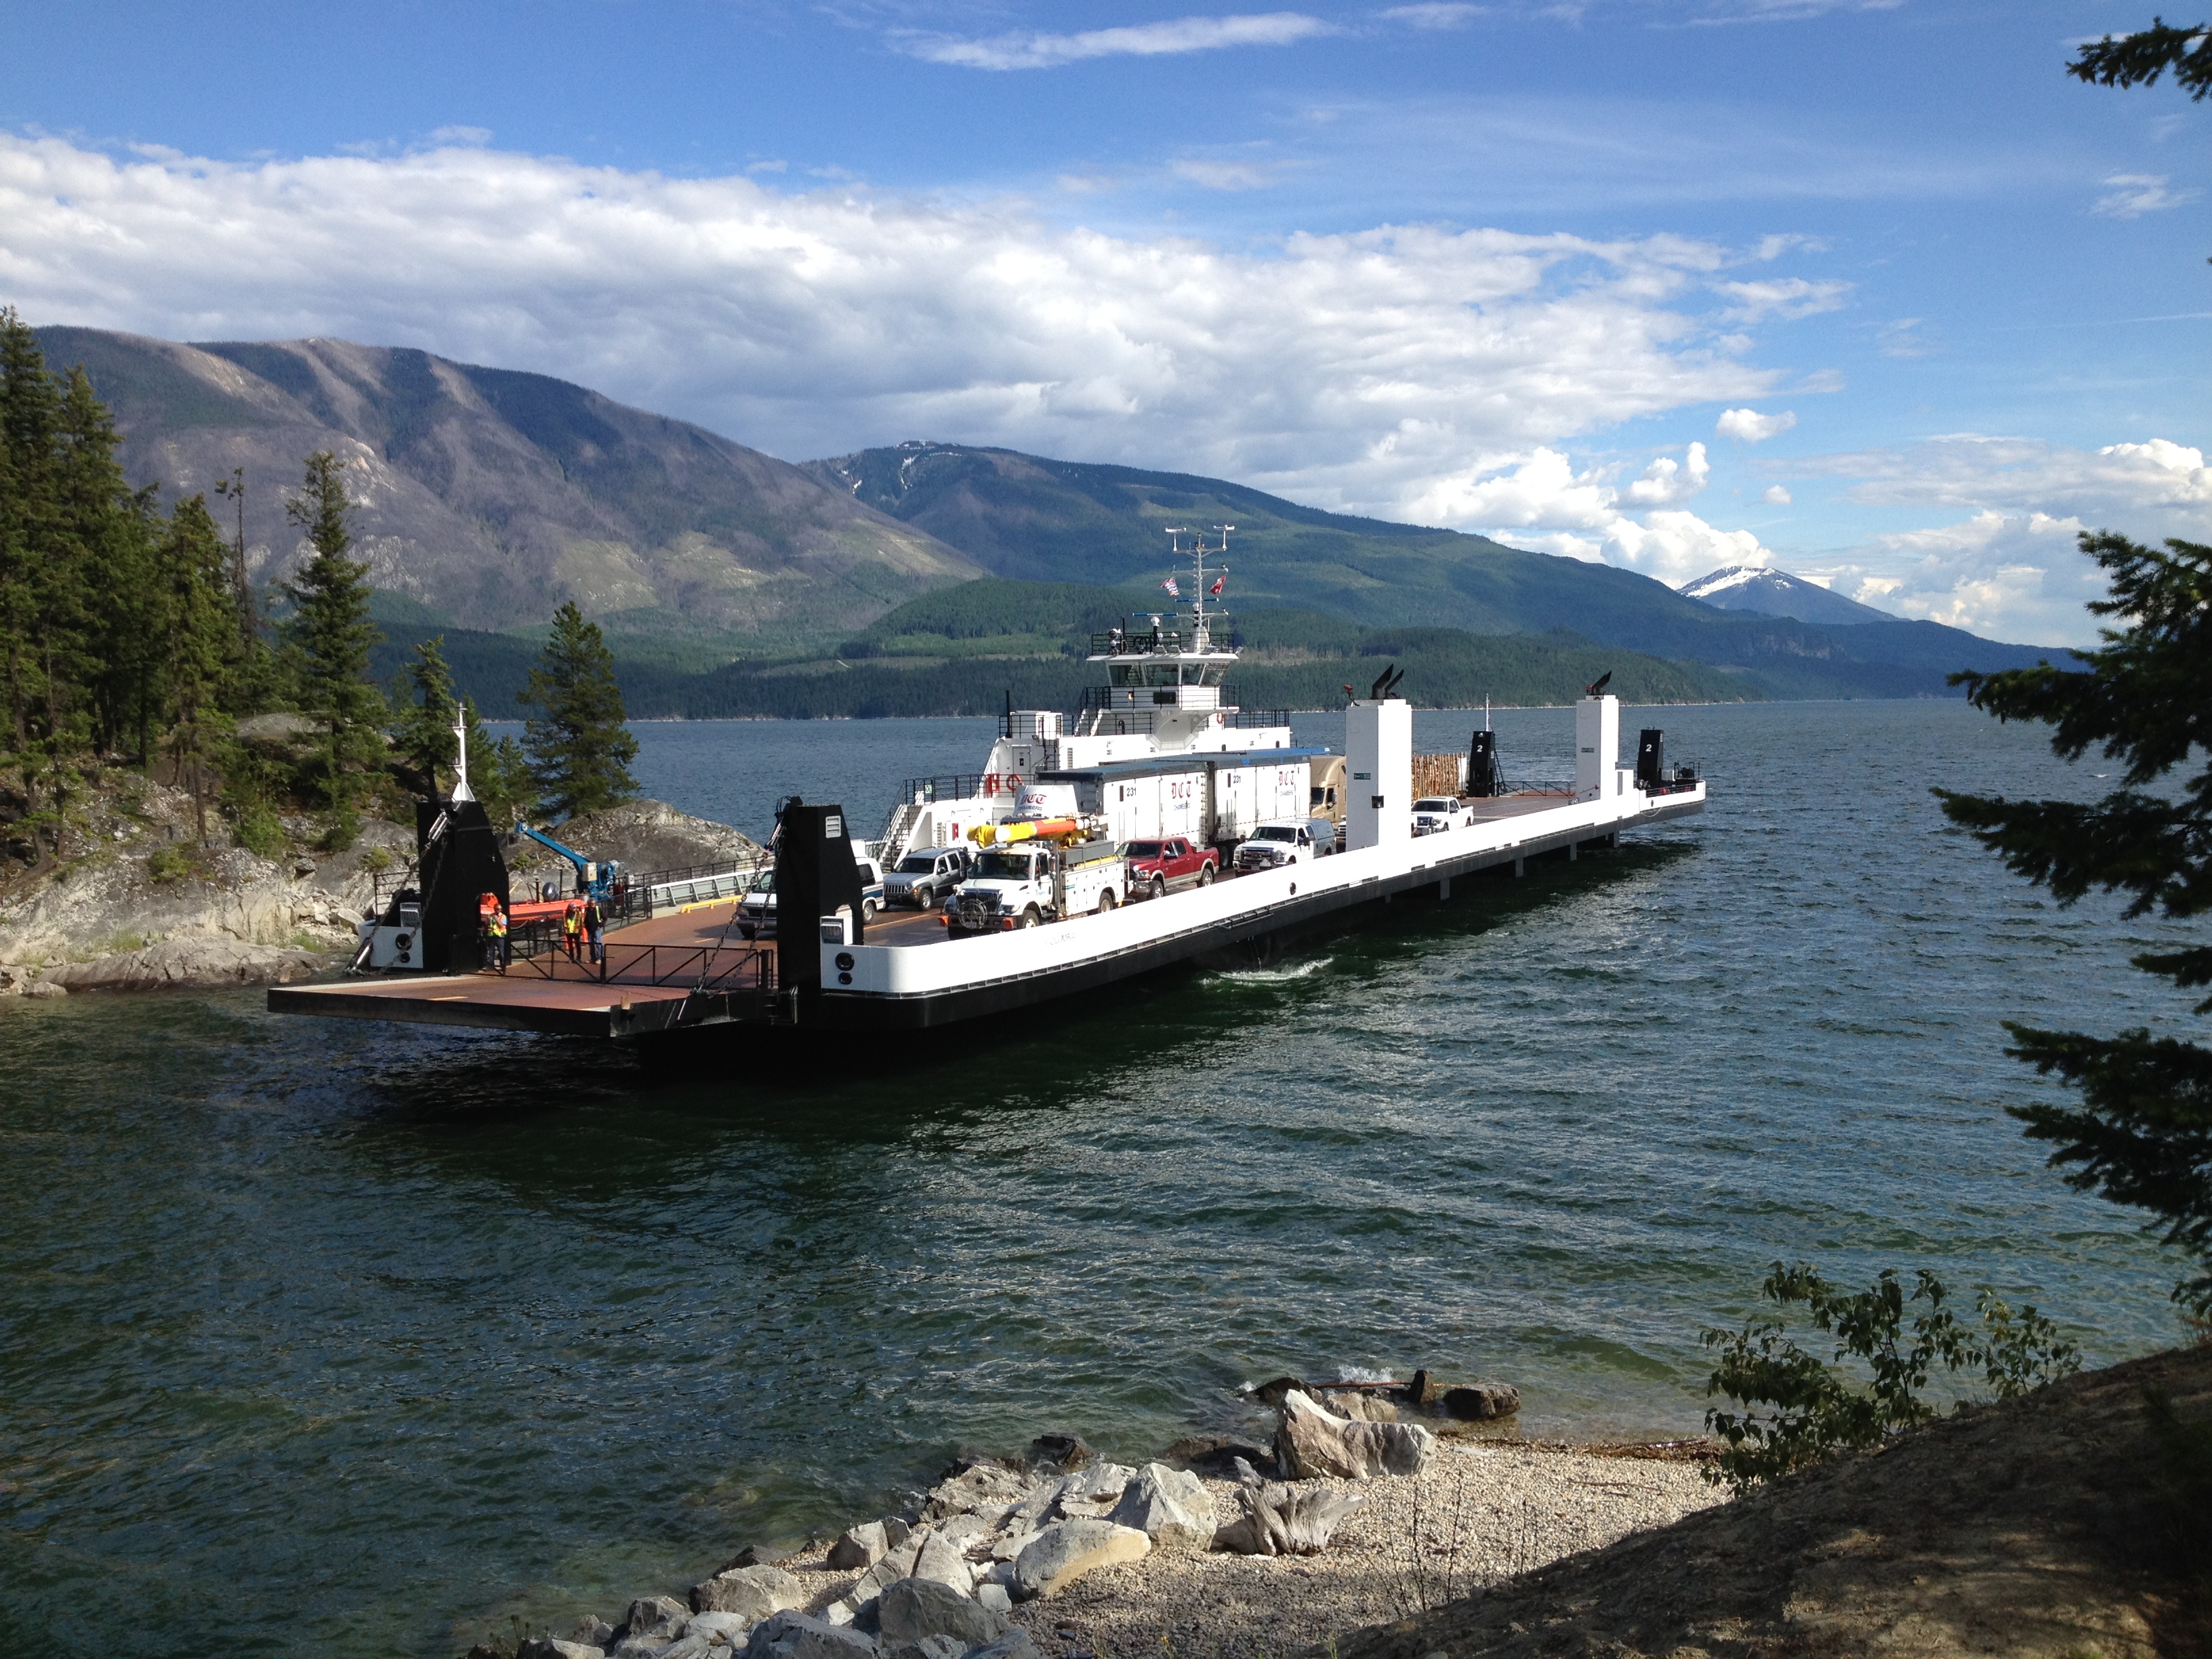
1013, 783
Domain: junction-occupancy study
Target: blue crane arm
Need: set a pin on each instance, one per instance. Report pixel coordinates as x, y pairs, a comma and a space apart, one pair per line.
597, 878
545, 840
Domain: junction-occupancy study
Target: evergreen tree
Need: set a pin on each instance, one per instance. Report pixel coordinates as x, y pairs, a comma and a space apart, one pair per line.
2142, 1135
579, 749
198, 634
498, 772
2138, 59
29, 423
333, 635
424, 731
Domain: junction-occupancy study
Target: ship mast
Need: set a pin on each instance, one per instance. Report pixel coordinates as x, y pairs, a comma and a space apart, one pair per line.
1200, 639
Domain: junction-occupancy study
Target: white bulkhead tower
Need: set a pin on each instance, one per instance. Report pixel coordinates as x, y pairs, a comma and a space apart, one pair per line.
1597, 749
1378, 764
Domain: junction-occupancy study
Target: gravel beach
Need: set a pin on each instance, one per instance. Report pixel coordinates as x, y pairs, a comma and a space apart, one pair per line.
1485, 1511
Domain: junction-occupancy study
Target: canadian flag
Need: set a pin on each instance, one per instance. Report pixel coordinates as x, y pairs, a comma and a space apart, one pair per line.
1173, 591
1219, 582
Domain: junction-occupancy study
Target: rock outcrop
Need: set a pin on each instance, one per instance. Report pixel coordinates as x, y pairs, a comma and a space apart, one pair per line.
1170, 1507
1313, 1442
1065, 1550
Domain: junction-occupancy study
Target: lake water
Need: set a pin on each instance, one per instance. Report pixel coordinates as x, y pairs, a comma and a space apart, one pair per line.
359, 1340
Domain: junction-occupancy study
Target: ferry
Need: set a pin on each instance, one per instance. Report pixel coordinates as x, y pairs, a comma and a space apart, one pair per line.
1158, 755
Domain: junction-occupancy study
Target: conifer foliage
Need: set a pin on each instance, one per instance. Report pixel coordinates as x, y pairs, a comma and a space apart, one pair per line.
579, 749
332, 630
2142, 1135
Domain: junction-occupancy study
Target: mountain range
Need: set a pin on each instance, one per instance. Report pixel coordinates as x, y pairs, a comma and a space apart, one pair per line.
1767, 591
485, 497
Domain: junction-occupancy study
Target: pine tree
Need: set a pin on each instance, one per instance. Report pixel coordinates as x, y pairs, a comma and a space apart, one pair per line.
198, 633
333, 635
579, 749
498, 772
424, 731
30, 422
2142, 1132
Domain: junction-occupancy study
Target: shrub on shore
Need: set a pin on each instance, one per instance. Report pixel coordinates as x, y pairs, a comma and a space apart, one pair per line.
1812, 1409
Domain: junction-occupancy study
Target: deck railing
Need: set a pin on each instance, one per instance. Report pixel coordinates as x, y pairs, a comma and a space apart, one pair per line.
702, 967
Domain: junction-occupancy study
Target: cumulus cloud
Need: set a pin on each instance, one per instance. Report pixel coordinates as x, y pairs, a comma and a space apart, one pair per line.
1539, 500
1026, 51
2131, 195
1752, 426
1776, 495
1354, 370
2010, 567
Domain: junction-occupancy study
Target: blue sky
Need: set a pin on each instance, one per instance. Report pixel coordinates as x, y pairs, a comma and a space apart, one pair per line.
1872, 291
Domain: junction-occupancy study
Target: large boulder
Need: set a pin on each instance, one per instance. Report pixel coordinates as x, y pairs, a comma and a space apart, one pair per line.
925, 1647
916, 1608
1482, 1400
1358, 1405
655, 1618
859, 1547
749, 1592
979, 1487
1314, 1442
1014, 1644
1065, 1550
711, 1635
797, 1636
1170, 1507
552, 1647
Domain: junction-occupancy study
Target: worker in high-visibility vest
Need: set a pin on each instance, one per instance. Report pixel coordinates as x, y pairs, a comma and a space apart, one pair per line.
572, 932
497, 946
595, 929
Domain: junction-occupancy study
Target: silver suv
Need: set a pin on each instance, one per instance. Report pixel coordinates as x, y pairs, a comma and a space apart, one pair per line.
926, 876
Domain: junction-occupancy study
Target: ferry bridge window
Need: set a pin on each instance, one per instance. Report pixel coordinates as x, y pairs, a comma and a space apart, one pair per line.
1161, 673
1127, 674
1193, 674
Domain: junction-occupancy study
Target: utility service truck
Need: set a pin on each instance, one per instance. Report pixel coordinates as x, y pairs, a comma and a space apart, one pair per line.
1026, 883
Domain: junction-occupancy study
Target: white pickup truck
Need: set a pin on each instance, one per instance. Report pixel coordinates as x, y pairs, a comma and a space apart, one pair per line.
1025, 884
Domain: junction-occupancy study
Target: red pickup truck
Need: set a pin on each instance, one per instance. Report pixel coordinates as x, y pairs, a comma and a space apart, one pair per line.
1156, 865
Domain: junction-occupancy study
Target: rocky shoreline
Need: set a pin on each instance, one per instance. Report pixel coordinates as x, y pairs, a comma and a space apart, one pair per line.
147, 908
1371, 1504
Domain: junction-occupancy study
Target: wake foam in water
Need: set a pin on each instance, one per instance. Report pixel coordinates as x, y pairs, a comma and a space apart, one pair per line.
1273, 975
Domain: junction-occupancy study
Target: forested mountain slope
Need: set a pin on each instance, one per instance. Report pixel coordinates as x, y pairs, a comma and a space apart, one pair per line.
490, 496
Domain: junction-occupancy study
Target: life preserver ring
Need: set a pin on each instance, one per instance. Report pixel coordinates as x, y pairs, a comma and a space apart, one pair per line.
1013, 783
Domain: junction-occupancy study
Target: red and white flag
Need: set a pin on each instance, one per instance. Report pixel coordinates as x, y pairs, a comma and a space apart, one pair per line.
1173, 591
1219, 582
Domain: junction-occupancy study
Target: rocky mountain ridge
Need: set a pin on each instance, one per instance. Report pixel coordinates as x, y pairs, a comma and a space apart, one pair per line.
1766, 590
489, 496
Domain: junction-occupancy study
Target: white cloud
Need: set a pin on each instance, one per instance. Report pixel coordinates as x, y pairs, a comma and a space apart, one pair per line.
2131, 195
1665, 483
1435, 14
1224, 175
1358, 370
2011, 568
1581, 514
473, 135
1776, 495
1788, 297
1180, 34
1752, 426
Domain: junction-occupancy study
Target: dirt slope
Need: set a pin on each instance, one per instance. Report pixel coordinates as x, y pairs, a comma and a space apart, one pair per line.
2053, 1525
